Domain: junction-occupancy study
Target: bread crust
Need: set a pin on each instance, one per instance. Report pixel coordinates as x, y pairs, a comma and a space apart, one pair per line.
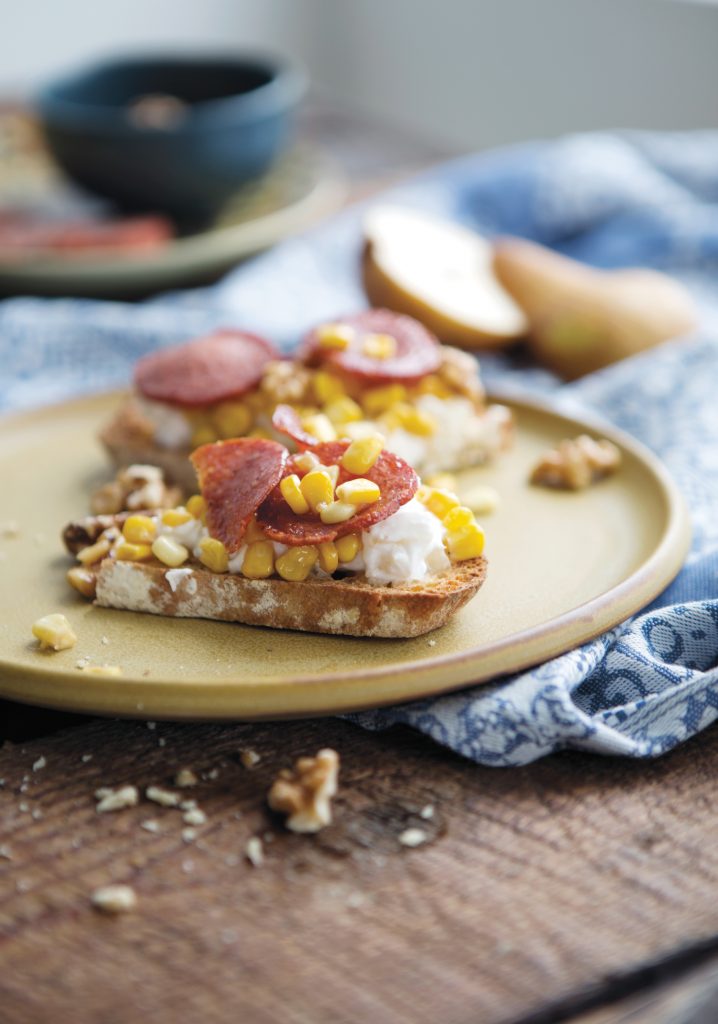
348, 606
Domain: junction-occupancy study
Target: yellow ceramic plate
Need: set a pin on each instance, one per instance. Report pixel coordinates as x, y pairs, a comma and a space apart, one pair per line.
563, 568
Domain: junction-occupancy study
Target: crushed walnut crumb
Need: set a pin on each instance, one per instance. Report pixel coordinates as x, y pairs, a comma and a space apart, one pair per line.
151, 825
39, 764
254, 851
135, 487
249, 758
185, 778
116, 799
576, 463
164, 797
304, 792
114, 899
413, 837
194, 816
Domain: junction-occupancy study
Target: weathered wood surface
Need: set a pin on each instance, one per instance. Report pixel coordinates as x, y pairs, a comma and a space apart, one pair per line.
542, 890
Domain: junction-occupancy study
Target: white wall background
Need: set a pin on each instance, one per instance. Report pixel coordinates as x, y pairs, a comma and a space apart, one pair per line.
468, 73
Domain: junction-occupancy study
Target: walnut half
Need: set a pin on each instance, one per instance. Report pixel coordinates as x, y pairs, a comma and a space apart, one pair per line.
304, 792
576, 463
135, 487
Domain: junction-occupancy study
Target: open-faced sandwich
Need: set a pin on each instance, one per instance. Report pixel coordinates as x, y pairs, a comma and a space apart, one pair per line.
373, 371
339, 537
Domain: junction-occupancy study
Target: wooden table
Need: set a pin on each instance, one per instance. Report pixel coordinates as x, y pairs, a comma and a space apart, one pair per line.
576, 889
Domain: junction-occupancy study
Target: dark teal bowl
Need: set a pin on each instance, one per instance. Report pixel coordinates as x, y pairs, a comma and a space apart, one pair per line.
222, 122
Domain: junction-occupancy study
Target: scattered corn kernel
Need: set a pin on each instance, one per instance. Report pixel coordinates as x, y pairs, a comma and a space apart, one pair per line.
359, 491
328, 557
54, 633
379, 346
327, 387
317, 488
438, 501
139, 529
296, 563
82, 580
176, 517
203, 435
231, 419
361, 455
254, 532
348, 546
126, 552
481, 499
213, 554
467, 542
445, 481
94, 552
169, 552
343, 410
258, 560
414, 420
378, 400
457, 518
292, 494
337, 512
319, 426
197, 506
306, 461
337, 336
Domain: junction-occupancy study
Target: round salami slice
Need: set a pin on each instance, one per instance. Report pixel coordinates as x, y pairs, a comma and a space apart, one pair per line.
235, 477
212, 369
416, 353
396, 479
286, 420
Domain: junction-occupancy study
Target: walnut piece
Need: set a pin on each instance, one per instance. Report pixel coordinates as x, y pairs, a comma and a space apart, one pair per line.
304, 792
460, 371
576, 463
135, 487
285, 381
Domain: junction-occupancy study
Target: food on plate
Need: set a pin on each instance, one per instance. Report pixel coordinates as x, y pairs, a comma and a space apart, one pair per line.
372, 371
27, 236
441, 273
135, 487
339, 537
582, 319
54, 633
576, 463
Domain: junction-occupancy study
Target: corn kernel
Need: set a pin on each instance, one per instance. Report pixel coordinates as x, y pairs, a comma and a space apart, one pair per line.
328, 557
258, 560
169, 552
82, 580
254, 532
445, 481
433, 385
94, 552
359, 491
126, 552
361, 455
296, 563
333, 473
317, 488
197, 506
343, 410
292, 494
203, 435
457, 518
359, 430
348, 546
54, 633
231, 419
213, 554
465, 543
327, 387
319, 426
438, 501
337, 512
481, 499
139, 529
379, 346
378, 400
176, 517
337, 336
306, 461
414, 420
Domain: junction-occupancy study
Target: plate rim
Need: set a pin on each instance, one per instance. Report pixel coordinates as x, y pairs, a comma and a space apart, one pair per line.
137, 697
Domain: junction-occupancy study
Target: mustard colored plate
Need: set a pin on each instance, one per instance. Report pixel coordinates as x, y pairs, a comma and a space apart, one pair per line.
563, 567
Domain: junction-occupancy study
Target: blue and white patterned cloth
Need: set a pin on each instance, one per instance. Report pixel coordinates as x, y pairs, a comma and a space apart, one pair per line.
610, 200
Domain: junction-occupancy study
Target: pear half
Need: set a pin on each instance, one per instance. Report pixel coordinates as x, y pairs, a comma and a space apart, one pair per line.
582, 319
441, 274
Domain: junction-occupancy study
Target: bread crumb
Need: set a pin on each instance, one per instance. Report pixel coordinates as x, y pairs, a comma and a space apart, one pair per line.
254, 851
194, 816
114, 899
39, 764
116, 799
305, 792
162, 796
249, 758
413, 837
185, 778
82, 662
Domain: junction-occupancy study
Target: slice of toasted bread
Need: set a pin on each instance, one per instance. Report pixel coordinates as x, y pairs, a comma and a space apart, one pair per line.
349, 606
128, 438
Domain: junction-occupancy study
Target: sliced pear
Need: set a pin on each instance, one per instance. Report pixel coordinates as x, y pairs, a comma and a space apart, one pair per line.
441, 274
581, 319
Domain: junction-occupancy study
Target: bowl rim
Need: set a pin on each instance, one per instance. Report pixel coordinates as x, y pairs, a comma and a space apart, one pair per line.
286, 86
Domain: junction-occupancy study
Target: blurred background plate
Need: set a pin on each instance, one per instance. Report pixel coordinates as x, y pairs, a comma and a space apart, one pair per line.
302, 186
